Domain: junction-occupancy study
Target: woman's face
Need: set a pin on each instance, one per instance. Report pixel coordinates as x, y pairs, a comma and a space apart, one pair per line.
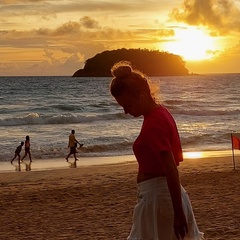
131, 104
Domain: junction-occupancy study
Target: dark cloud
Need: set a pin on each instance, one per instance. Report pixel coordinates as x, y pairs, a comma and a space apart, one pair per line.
68, 28
89, 22
220, 16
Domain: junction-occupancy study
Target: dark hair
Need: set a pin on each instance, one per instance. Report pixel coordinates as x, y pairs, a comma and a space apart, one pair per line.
129, 80
27, 138
73, 131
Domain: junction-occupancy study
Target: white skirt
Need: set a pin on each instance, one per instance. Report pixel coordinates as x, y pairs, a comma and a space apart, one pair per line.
153, 214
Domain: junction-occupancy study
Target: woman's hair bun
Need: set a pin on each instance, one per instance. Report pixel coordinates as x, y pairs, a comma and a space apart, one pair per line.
121, 69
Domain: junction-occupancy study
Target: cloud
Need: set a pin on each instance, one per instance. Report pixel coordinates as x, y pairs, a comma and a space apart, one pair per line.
89, 22
72, 33
67, 28
51, 67
10, 2
56, 37
64, 49
98, 6
59, 51
220, 16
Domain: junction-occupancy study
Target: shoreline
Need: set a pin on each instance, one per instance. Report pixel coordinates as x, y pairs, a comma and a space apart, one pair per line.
60, 163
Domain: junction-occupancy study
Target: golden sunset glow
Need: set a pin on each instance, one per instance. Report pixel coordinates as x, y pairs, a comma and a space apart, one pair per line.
207, 154
57, 37
191, 44
192, 155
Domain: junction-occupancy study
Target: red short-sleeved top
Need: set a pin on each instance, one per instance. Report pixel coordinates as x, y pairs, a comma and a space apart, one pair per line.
159, 133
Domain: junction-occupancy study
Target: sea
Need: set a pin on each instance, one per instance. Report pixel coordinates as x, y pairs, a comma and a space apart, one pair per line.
206, 109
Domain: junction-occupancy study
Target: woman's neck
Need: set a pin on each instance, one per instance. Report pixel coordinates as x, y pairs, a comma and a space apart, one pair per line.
150, 107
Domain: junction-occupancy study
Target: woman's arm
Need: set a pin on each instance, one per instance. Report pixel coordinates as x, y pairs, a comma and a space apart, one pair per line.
171, 171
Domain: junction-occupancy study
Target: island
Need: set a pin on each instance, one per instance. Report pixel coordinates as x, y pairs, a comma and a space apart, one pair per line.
150, 62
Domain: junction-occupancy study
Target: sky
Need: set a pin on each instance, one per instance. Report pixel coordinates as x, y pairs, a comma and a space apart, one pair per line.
55, 38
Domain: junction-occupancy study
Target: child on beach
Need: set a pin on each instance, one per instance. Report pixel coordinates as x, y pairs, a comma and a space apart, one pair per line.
17, 152
27, 149
163, 210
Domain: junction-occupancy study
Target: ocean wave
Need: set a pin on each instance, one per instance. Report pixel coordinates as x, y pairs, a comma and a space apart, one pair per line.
173, 102
204, 112
38, 119
115, 145
206, 142
51, 151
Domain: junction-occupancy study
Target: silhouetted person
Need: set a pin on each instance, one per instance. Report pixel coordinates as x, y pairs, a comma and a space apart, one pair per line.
72, 144
17, 152
27, 149
163, 210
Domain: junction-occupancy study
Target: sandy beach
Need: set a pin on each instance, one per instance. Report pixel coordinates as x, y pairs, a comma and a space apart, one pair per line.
96, 202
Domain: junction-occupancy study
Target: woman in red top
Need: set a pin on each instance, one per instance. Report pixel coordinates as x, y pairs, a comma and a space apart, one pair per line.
164, 210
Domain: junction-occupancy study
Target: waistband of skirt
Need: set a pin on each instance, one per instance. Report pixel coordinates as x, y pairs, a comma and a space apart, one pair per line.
153, 183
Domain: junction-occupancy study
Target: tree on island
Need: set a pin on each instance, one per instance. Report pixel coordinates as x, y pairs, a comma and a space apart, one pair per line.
150, 62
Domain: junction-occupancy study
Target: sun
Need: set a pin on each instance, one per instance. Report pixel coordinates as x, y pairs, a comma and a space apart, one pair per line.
191, 44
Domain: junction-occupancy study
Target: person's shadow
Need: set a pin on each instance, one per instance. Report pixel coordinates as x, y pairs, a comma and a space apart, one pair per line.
19, 166
73, 164
28, 166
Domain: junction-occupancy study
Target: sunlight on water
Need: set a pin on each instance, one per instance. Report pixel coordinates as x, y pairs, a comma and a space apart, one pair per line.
208, 154
193, 154
206, 110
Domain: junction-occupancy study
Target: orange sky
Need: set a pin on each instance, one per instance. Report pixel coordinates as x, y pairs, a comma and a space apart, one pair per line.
44, 37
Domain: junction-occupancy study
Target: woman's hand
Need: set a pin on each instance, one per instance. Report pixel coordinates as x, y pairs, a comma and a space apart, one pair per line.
180, 226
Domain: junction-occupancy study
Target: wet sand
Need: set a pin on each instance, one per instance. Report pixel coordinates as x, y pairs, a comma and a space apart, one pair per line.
96, 202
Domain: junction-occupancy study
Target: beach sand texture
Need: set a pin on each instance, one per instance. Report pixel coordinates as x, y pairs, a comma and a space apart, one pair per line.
96, 202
